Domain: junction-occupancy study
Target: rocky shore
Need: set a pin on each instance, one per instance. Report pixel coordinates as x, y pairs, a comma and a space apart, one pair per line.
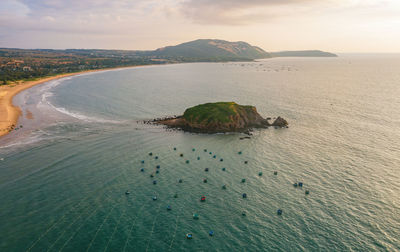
219, 117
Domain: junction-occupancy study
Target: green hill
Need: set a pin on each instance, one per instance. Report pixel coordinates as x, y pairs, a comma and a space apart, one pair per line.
213, 50
220, 112
220, 117
306, 53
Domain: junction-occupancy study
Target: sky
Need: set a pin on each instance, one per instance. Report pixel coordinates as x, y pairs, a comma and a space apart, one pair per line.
274, 25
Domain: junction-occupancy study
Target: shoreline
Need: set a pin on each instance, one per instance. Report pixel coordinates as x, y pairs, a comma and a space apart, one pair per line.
10, 113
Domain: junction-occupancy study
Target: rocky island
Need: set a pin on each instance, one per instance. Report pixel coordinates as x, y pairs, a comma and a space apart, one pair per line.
220, 117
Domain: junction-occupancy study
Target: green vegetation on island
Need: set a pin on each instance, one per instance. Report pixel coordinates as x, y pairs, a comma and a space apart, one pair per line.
220, 117
218, 112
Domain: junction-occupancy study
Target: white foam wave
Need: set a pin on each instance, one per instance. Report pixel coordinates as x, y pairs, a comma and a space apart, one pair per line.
47, 93
82, 117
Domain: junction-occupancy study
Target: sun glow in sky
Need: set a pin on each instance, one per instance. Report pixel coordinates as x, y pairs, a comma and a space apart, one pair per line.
331, 25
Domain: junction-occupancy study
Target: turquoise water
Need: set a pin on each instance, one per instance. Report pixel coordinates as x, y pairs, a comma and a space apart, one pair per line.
65, 173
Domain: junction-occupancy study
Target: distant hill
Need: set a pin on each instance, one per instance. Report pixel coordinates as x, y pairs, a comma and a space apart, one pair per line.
306, 53
24, 64
212, 50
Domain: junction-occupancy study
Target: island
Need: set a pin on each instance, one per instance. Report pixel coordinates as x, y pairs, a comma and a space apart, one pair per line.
220, 117
306, 53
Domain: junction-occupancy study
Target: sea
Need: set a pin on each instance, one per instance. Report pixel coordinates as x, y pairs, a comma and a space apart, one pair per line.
82, 170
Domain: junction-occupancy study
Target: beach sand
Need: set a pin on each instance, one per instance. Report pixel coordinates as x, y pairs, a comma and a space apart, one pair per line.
9, 113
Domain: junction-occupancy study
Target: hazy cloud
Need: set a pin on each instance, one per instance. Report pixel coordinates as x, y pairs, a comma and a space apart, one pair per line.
239, 12
148, 24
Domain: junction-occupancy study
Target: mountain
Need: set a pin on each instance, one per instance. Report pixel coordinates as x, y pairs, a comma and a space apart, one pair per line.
212, 50
220, 117
306, 53
24, 64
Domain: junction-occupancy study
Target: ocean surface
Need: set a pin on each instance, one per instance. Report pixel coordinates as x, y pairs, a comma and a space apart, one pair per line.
65, 173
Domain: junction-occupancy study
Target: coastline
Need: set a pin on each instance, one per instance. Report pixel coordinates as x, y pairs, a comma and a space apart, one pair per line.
9, 113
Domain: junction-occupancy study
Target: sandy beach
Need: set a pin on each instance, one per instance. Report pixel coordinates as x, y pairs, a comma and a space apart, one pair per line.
9, 113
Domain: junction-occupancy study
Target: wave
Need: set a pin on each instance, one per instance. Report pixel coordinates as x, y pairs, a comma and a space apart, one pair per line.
46, 93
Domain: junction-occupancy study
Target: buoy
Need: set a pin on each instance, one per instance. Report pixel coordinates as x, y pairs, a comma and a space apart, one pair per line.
224, 187
279, 212
187, 161
214, 156
169, 207
275, 173
211, 233
295, 184
300, 184
244, 195
174, 148
205, 180
181, 154
206, 169
189, 236
158, 167
154, 197
180, 181
307, 192
243, 180
198, 158
142, 161
193, 149
221, 160
224, 169
158, 171
151, 154
260, 174
156, 157
195, 216
203, 198
240, 153
127, 192
245, 162
154, 182
142, 169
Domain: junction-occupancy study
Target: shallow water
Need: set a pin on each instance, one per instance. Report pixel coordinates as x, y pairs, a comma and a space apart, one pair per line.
65, 173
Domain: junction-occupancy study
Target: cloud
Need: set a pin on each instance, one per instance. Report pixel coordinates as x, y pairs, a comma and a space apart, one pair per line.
240, 12
75, 16
13, 7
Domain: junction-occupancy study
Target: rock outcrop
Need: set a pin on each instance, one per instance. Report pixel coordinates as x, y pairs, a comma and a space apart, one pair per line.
280, 122
220, 117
